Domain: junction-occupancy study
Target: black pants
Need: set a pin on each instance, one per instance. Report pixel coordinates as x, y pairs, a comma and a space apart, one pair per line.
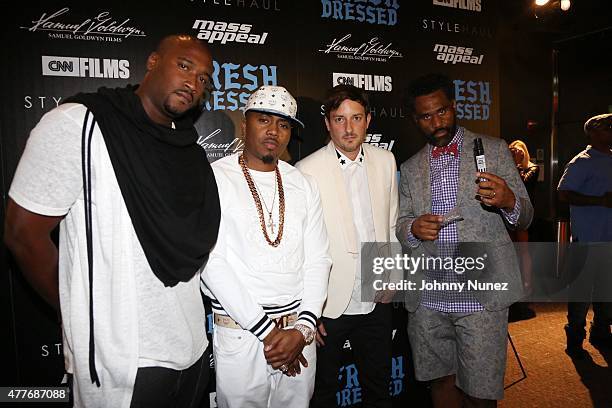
370, 338
577, 312
165, 387
591, 284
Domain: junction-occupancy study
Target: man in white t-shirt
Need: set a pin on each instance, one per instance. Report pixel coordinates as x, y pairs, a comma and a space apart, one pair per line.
267, 275
136, 201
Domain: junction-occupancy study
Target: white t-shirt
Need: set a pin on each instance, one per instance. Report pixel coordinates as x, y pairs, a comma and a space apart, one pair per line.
251, 280
138, 322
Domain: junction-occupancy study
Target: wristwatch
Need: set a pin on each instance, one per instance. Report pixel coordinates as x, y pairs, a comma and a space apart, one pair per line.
306, 331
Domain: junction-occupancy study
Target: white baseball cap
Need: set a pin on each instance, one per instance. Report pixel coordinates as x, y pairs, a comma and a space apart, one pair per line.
274, 100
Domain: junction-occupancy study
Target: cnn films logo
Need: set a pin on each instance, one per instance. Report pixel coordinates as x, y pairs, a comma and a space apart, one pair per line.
223, 32
470, 5
368, 82
456, 54
473, 99
101, 27
430, 24
368, 11
373, 50
85, 67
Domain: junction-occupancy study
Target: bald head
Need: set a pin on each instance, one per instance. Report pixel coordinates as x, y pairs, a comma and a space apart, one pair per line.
171, 42
179, 75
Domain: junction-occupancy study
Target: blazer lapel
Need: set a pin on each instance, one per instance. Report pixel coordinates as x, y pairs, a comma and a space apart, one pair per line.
422, 176
345, 210
467, 169
376, 194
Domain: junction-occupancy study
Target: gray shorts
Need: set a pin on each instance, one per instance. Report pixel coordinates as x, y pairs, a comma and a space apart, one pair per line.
470, 345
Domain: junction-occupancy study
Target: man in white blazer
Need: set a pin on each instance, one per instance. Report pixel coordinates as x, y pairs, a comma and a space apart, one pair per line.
358, 187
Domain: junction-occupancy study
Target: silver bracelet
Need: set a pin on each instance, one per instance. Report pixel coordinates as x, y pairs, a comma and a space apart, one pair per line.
306, 331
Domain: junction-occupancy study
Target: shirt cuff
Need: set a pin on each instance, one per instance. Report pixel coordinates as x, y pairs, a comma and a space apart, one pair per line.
413, 241
262, 327
308, 319
513, 216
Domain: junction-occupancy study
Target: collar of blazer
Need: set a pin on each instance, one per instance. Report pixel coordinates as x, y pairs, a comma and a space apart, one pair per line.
344, 206
467, 172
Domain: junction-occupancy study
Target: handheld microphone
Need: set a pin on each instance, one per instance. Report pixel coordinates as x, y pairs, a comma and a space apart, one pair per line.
479, 157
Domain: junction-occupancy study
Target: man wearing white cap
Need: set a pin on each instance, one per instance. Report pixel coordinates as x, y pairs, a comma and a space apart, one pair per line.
267, 275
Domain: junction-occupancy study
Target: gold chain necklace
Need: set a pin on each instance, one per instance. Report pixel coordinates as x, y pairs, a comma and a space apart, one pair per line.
281, 202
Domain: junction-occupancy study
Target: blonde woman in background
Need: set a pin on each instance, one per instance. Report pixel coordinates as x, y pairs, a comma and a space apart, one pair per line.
527, 169
529, 174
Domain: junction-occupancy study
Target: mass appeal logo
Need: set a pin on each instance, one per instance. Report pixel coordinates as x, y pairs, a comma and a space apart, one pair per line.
376, 12
470, 5
212, 31
85, 67
455, 54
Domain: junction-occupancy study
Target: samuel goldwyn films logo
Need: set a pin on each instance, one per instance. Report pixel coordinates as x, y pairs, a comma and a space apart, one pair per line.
374, 50
100, 27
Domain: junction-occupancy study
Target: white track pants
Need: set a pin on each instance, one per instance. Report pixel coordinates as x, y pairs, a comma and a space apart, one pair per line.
246, 380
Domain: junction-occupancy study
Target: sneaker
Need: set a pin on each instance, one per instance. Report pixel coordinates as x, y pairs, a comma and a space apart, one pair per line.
600, 337
576, 353
574, 343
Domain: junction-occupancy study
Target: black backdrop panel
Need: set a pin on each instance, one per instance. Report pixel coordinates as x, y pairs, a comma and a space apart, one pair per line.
58, 48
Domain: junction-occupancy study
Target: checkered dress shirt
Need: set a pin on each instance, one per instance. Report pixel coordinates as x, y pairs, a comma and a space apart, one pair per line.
443, 177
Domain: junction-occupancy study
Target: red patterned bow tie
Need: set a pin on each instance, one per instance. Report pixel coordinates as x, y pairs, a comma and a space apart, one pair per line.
451, 149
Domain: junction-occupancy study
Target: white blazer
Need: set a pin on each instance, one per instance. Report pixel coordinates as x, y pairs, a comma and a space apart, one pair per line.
381, 169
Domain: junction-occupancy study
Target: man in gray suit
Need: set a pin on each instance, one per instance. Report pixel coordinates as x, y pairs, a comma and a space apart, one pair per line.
458, 332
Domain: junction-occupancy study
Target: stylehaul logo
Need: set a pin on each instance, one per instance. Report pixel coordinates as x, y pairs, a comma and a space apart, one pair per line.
224, 33
364, 81
471, 5
455, 54
85, 67
267, 5
101, 27
431, 24
376, 12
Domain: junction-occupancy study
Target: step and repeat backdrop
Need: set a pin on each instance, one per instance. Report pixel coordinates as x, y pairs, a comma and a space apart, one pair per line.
54, 49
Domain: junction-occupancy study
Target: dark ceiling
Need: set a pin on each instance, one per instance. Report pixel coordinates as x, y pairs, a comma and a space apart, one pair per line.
585, 18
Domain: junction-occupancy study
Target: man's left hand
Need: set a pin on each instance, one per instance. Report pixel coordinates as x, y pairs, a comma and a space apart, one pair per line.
494, 191
384, 296
284, 348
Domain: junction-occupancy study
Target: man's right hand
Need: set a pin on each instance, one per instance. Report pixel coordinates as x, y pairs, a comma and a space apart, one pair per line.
427, 227
320, 334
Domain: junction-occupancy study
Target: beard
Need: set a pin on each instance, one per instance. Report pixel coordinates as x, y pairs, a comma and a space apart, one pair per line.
267, 159
437, 141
